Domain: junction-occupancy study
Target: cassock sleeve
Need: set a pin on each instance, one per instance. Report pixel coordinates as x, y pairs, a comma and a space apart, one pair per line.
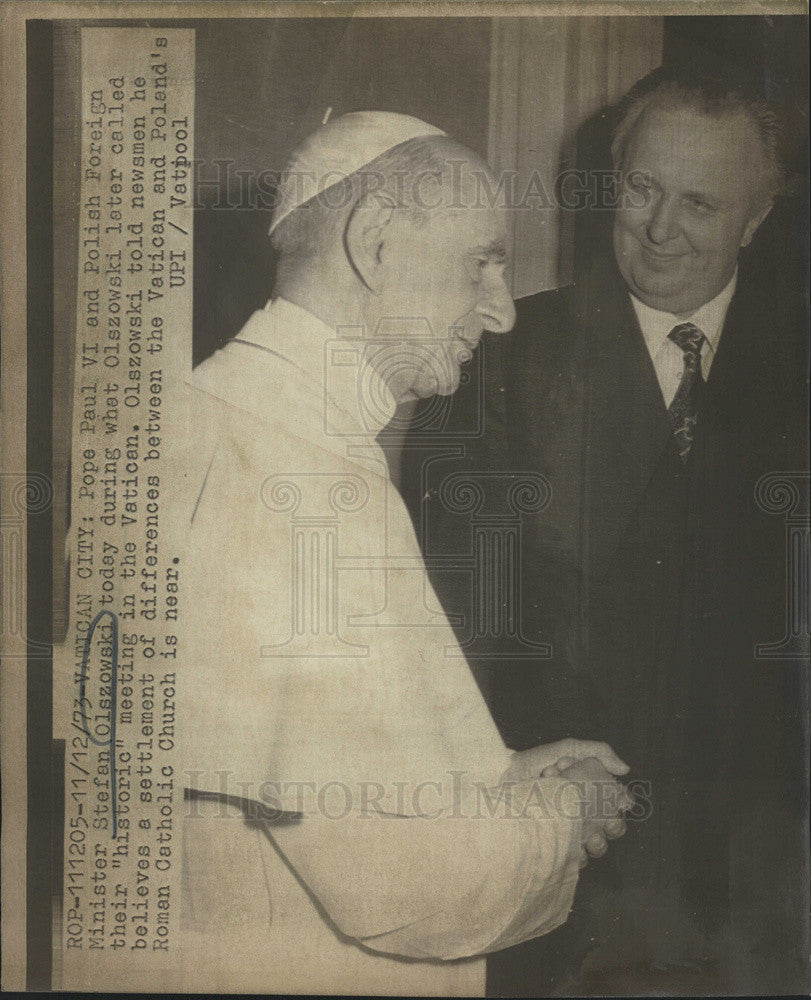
381, 704
480, 878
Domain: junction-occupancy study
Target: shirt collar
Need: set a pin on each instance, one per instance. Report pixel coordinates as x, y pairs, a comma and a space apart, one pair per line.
355, 398
709, 318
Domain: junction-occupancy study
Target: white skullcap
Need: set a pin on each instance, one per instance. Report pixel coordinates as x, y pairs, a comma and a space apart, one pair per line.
340, 148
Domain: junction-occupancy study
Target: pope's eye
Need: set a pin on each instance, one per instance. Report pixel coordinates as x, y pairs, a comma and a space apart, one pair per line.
699, 205
479, 264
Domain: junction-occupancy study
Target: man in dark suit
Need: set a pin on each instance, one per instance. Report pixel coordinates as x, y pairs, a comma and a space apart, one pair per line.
657, 396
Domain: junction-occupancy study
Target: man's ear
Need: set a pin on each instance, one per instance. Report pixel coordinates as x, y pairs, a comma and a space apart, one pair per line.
753, 224
365, 238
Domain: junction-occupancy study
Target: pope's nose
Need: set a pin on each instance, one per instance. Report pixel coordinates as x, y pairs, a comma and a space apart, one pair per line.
496, 308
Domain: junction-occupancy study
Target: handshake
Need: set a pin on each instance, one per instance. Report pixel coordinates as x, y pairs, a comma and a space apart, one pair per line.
592, 768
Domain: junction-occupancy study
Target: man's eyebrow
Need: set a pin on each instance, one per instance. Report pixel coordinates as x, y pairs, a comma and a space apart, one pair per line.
496, 251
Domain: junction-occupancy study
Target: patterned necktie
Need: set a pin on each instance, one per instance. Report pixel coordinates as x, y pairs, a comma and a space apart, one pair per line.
683, 411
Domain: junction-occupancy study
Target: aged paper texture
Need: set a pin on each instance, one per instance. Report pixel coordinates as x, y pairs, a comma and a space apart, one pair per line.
405, 498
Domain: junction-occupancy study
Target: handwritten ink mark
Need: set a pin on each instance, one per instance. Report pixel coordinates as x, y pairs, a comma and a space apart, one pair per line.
110, 741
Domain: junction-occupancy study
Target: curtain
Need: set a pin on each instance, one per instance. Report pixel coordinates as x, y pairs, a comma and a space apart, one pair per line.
548, 77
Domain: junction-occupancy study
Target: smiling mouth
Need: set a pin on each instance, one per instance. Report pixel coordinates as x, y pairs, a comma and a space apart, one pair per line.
661, 258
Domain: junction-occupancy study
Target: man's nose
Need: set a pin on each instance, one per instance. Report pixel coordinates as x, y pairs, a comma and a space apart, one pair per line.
496, 307
662, 224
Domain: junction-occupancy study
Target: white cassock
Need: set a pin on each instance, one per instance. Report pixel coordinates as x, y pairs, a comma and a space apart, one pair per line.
321, 673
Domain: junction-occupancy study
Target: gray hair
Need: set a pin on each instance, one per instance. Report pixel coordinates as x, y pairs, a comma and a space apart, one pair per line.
399, 173
716, 96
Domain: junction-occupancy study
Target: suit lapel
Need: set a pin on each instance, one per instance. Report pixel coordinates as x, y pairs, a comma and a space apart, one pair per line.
747, 382
626, 424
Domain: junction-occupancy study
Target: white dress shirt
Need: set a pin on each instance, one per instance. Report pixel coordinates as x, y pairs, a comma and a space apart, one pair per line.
319, 660
667, 356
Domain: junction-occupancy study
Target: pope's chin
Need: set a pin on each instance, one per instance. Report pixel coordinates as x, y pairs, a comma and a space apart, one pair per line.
444, 387
435, 384
426, 387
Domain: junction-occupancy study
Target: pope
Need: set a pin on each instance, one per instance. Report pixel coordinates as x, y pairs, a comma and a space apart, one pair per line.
319, 674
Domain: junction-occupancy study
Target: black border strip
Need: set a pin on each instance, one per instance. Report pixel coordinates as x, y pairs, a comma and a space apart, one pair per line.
39, 677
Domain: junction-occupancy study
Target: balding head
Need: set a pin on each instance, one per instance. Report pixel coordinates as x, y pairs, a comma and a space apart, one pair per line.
721, 93
701, 163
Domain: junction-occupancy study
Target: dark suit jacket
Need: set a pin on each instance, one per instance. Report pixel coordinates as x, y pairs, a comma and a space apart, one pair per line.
654, 581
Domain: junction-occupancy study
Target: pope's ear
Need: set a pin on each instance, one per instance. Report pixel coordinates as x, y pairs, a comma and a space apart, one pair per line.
365, 238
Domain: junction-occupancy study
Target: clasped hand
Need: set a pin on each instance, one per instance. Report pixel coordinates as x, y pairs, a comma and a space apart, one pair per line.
594, 767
